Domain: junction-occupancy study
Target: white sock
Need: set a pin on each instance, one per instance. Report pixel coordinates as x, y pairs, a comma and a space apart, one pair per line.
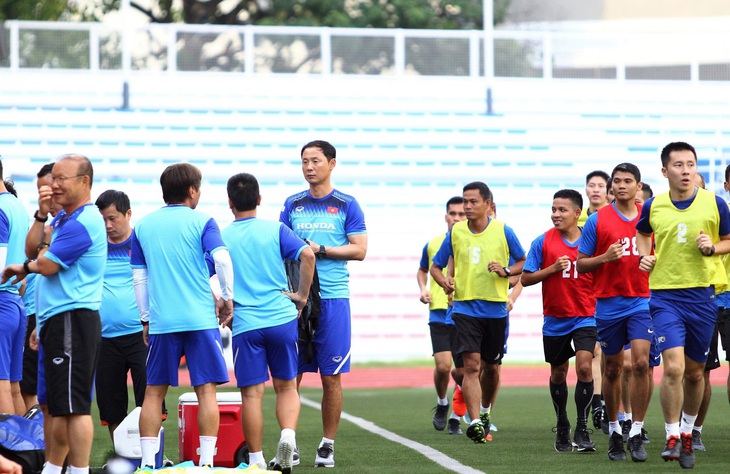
207, 450
483, 409
442, 401
49, 468
78, 470
636, 428
614, 427
473, 422
697, 428
150, 445
327, 440
257, 459
688, 422
454, 416
288, 433
672, 429
627, 415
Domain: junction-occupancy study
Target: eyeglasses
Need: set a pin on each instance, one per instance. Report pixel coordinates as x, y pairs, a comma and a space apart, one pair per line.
61, 180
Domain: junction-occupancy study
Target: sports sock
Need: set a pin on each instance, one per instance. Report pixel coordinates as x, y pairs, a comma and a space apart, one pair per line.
149, 445
697, 428
614, 427
636, 428
559, 394
442, 401
628, 416
672, 429
454, 416
257, 458
78, 470
207, 450
49, 468
583, 399
326, 440
596, 401
687, 424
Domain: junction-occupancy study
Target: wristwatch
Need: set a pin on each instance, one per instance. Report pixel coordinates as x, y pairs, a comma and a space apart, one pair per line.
507, 271
40, 219
322, 252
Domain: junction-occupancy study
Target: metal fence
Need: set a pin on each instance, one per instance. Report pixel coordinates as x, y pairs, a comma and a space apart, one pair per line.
180, 48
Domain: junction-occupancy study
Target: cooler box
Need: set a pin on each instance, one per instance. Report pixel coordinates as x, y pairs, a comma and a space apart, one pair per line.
126, 440
231, 449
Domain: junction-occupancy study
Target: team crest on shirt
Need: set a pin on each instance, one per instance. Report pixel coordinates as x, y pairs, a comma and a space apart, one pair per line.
299, 208
332, 210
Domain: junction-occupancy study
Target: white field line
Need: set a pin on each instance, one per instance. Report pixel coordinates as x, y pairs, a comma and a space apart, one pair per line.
433, 455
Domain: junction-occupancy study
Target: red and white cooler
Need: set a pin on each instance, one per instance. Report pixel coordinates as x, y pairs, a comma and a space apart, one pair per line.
231, 448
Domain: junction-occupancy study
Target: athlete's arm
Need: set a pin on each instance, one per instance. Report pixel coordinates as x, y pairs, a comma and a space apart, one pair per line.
532, 278
306, 274
515, 293
587, 263
422, 278
643, 245
704, 241
354, 250
37, 232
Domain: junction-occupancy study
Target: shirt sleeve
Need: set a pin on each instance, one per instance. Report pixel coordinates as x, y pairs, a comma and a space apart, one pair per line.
534, 256
4, 228
355, 220
724, 211
211, 238
588, 239
137, 259
643, 225
441, 258
515, 248
290, 245
424, 258
284, 215
71, 241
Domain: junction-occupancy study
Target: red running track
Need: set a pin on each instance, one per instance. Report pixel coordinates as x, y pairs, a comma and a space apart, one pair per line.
399, 377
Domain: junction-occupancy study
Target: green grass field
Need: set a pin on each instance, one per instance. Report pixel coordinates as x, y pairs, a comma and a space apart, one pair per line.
524, 442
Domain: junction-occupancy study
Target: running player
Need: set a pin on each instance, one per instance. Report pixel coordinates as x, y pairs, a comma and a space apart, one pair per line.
568, 308
691, 228
440, 324
608, 248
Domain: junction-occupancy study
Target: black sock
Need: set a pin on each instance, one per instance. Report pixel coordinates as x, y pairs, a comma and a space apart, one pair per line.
583, 399
596, 402
559, 394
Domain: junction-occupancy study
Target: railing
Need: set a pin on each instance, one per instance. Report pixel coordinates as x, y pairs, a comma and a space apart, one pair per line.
175, 48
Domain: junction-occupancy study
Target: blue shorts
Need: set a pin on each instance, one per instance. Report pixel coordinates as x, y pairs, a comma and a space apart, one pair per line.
203, 351
332, 340
684, 324
12, 336
42, 392
258, 351
614, 333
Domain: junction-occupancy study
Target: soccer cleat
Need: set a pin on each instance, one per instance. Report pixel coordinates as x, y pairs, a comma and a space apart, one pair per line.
439, 416
616, 451
484, 417
597, 417
686, 454
604, 420
325, 456
697, 443
454, 427
274, 463
458, 404
285, 455
626, 429
636, 448
582, 441
476, 433
645, 436
562, 439
671, 449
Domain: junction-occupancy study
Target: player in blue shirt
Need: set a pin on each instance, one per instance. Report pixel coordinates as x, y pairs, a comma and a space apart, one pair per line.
334, 225
123, 349
13, 229
69, 296
177, 307
265, 332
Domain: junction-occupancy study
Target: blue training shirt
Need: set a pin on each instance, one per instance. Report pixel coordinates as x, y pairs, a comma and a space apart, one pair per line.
119, 313
78, 245
171, 244
258, 249
327, 221
551, 325
29, 295
480, 308
13, 229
